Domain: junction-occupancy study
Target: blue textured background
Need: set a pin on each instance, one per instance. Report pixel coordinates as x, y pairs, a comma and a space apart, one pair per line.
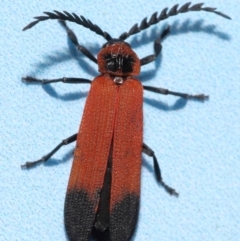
197, 144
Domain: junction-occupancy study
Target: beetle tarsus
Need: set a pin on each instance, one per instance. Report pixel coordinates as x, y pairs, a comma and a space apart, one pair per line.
30, 79
169, 190
201, 97
28, 165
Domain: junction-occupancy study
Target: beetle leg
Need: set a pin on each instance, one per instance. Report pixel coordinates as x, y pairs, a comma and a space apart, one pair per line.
50, 154
162, 91
66, 80
147, 150
157, 48
73, 38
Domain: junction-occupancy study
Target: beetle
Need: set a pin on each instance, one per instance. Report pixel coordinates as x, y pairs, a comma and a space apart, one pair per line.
103, 193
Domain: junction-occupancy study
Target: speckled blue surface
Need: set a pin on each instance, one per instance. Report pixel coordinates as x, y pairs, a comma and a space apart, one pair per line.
197, 144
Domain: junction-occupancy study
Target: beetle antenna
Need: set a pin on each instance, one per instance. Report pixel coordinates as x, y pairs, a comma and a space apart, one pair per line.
65, 16
164, 14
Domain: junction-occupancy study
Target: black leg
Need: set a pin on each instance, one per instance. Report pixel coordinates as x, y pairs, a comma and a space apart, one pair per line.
48, 156
64, 80
201, 97
73, 38
157, 48
147, 150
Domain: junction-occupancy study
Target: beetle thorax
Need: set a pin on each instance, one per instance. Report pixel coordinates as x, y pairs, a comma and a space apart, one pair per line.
118, 59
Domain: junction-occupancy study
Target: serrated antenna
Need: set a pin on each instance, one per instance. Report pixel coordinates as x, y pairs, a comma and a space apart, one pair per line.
65, 16
166, 14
